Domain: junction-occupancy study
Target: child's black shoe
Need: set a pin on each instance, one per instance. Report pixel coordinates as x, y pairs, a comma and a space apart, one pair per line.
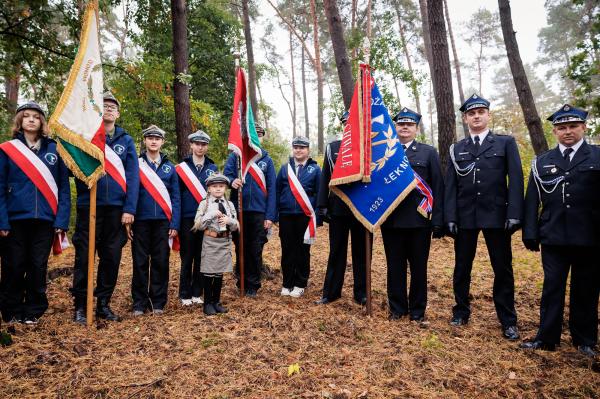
220, 308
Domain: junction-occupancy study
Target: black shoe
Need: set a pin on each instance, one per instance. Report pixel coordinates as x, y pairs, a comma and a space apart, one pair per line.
31, 321
418, 319
103, 311
396, 316
322, 301
220, 308
15, 320
79, 316
458, 321
209, 309
511, 333
537, 344
361, 301
587, 350
251, 293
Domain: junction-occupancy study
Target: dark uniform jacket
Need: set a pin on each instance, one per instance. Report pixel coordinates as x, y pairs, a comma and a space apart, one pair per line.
310, 177
424, 160
483, 198
327, 199
189, 205
575, 218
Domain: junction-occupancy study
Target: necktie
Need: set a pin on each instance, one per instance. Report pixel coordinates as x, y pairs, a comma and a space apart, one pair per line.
477, 145
566, 154
222, 207
404, 147
199, 167
299, 170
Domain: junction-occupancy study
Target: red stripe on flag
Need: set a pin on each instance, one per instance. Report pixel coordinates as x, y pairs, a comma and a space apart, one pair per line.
156, 195
99, 138
34, 175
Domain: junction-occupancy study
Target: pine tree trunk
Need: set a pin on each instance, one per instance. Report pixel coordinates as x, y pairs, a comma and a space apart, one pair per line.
250, 54
304, 99
461, 93
413, 85
294, 127
11, 89
442, 80
532, 118
181, 90
320, 80
338, 42
426, 33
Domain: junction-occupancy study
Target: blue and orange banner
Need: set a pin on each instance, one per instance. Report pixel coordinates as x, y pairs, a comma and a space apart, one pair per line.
374, 194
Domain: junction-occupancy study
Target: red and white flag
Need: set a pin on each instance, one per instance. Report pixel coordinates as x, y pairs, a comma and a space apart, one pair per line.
304, 202
60, 243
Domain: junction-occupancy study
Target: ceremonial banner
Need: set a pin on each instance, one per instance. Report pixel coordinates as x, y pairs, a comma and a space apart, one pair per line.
243, 139
391, 176
77, 120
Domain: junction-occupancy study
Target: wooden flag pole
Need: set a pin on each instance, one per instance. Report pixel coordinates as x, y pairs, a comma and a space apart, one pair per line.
241, 235
368, 256
91, 255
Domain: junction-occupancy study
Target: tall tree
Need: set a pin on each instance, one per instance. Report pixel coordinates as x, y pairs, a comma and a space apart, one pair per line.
482, 35
461, 93
336, 32
250, 55
304, 98
294, 127
442, 80
532, 119
181, 90
320, 79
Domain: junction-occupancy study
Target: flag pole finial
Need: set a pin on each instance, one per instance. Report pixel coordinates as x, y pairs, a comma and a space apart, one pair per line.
236, 57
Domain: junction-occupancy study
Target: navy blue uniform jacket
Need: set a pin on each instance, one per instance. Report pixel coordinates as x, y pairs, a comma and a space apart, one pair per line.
310, 180
19, 197
492, 192
572, 219
189, 205
425, 161
109, 191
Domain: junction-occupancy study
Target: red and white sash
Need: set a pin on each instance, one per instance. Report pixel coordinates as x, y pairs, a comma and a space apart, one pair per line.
35, 169
114, 167
304, 201
157, 189
191, 181
258, 176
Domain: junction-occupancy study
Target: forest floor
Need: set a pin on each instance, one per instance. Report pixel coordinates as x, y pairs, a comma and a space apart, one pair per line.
339, 351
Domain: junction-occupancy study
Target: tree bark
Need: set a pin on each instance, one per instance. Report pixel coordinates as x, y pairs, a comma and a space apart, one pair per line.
293, 85
11, 89
304, 98
181, 90
461, 93
426, 33
250, 54
413, 85
532, 118
442, 80
319, 69
338, 42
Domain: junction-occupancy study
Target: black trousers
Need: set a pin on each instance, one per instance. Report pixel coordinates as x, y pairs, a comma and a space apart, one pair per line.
295, 255
190, 278
585, 288
24, 266
404, 246
254, 240
111, 237
500, 252
150, 250
339, 228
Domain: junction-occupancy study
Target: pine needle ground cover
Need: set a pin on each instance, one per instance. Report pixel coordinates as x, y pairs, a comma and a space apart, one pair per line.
274, 347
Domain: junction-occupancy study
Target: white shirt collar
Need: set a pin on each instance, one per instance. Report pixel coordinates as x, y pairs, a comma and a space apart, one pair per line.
575, 147
481, 135
300, 163
407, 145
197, 161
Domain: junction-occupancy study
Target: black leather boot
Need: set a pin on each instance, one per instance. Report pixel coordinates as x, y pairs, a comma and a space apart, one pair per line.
208, 308
79, 315
103, 310
216, 297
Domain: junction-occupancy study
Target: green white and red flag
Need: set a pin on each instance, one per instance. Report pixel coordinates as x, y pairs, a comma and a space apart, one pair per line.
243, 139
77, 120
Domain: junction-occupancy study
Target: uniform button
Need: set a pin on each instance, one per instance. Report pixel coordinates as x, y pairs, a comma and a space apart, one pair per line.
478, 181
568, 195
566, 173
568, 206
478, 193
568, 183
478, 169
477, 159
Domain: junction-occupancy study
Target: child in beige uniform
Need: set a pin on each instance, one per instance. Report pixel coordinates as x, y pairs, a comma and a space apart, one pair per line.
216, 216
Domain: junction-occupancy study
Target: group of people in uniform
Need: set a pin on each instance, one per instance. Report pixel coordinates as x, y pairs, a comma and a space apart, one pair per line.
159, 205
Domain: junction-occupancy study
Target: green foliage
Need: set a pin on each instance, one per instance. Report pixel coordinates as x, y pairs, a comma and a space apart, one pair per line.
585, 64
